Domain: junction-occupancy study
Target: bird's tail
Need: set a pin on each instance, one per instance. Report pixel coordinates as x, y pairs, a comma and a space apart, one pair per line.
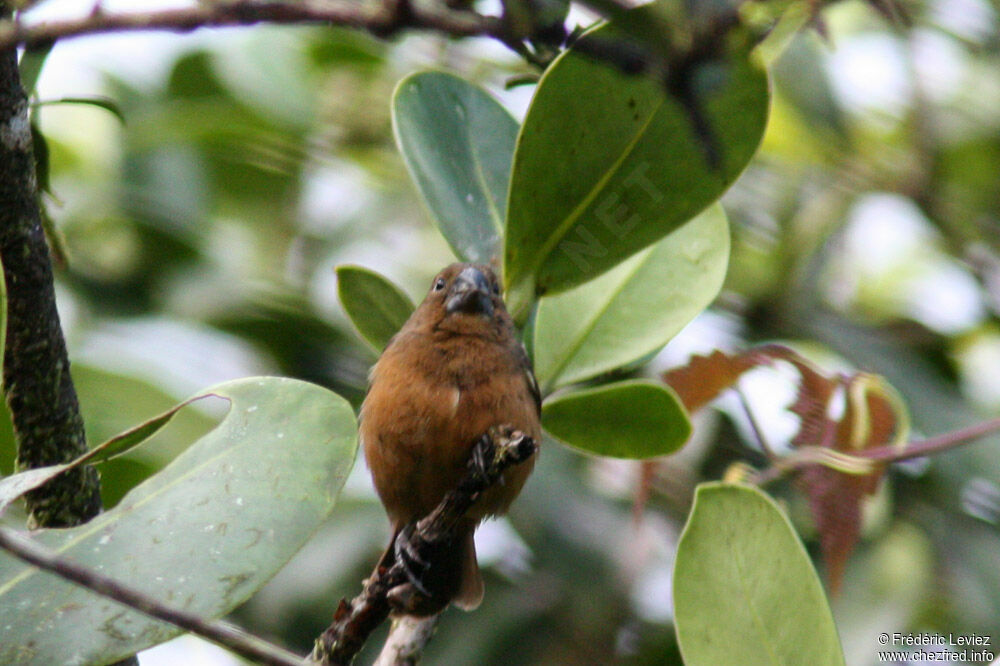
470, 589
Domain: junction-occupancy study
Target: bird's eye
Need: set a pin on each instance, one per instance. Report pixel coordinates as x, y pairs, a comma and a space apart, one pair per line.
496, 288
439, 284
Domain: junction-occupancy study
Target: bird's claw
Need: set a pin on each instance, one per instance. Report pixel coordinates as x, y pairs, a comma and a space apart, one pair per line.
414, 566
480, 452
485, 449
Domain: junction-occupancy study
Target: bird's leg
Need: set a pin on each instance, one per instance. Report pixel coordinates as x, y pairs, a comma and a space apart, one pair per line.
482, 459
430, 572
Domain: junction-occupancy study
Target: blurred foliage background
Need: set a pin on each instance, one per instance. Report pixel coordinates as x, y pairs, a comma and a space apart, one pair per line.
202, 235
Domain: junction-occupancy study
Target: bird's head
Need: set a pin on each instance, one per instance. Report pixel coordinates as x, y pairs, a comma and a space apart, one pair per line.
464, 299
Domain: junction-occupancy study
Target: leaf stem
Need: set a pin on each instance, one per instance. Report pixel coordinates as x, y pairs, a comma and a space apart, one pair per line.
932, 445
888, 453
755, 426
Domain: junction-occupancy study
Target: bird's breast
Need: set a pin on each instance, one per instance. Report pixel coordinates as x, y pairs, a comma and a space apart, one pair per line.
425, 411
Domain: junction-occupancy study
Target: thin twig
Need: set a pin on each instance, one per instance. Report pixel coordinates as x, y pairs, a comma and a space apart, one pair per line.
226, 635
355, 620
889, 453
758, 433
382, 19
936, 444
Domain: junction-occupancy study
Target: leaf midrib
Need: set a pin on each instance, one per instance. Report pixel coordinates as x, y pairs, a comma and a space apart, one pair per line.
481, 179
563, 227
755, 615
589, 326
96, 525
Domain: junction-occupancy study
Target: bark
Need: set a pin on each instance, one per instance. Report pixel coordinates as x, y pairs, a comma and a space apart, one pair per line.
37, 385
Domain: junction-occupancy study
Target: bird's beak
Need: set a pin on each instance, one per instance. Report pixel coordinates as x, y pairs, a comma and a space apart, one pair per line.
470, 293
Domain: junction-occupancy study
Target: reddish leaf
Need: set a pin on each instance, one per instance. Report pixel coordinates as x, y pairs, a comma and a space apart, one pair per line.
705, 377
812, 406
870, 419
697, 384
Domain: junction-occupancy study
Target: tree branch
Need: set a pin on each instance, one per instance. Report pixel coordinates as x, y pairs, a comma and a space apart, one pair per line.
226, 635
354, 620
43, 405
382, 19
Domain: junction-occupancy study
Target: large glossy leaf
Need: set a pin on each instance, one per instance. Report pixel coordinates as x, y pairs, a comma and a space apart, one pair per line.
377, 307
631, 419
607, 164
633, 309
203, 534
745, 591
99, 101
16, 485
458, 143
112, 403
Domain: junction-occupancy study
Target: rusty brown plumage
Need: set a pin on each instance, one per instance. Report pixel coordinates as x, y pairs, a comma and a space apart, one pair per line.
455, 370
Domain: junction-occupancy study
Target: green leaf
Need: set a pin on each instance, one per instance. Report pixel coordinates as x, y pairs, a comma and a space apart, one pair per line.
633, 309
800, 76
112, 403
40, 146
31, 64
16, 485
745, 591
607, 164
458, 143
377, 307
106, 103
343, 47
203, 534
631, 419
549, 14
8, 445
647, 26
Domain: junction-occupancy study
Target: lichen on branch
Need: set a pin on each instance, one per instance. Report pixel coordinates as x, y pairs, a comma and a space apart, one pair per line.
37, 384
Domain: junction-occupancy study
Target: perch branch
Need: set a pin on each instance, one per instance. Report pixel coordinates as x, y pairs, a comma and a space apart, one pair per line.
406, 641
355, 620
226, 635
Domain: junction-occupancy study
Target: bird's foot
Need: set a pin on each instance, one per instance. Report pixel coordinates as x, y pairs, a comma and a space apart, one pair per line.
485, 450
427, 589
414, 565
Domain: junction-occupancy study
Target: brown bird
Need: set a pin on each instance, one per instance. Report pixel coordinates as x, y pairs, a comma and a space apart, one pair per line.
455, 370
